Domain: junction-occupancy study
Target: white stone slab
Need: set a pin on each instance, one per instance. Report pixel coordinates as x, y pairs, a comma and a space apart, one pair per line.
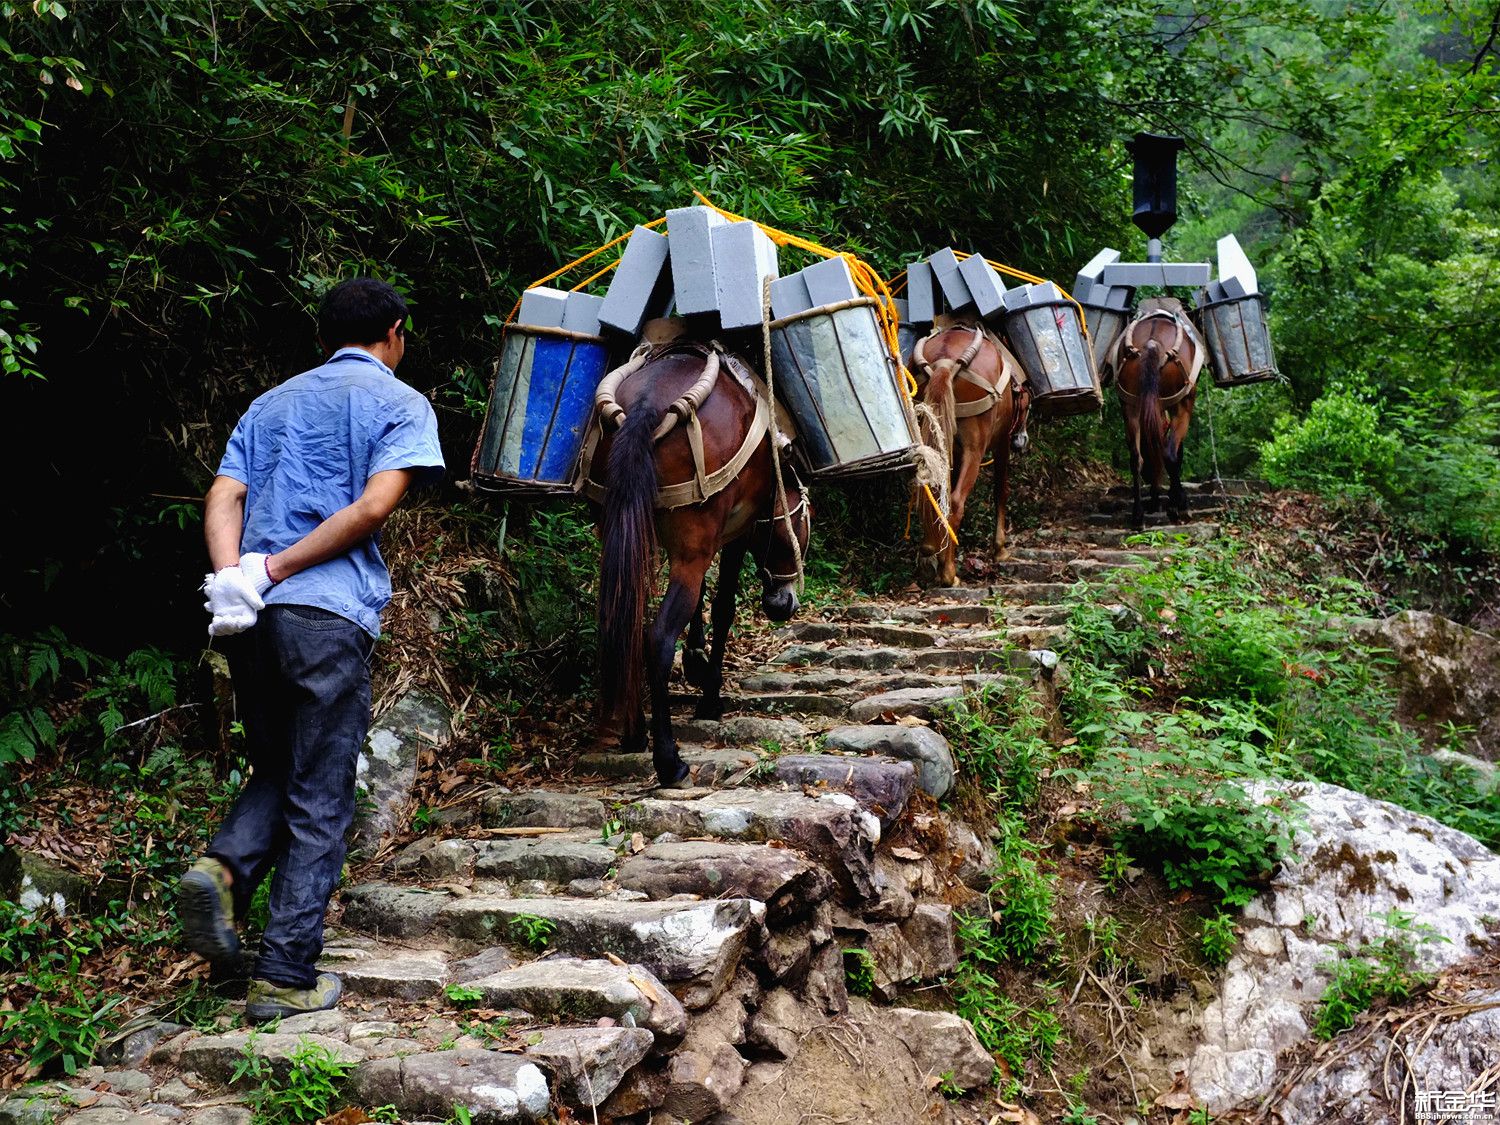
984, 284
1234, 264
543, 307
945, 269
920, 294
744, 256
789, 296
641, 287
1135, 274
690, 242
581, 313
829, 281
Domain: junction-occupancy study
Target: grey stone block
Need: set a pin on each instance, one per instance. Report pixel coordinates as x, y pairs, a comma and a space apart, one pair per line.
1093, 270
1016, 298
1213, 292
744, 256
1136, 274
641, 288
921, 298
829, 281
581, 314
985, 285
1118, 298
789, 296
1042, 292
1083, 290
543, 307
690, 240
903, 310
1233, 287
945, 269
1234, 263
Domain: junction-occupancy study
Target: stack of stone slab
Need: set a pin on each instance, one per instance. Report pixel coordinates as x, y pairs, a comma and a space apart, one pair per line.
706, 267
1231, 313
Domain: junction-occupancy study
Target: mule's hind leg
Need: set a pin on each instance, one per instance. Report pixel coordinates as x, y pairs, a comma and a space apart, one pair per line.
1133, 443
695, 660
1001, 452
731, 560
684, 589
1177, 503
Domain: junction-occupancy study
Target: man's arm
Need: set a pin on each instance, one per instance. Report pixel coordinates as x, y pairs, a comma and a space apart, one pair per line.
342, 530
224, 521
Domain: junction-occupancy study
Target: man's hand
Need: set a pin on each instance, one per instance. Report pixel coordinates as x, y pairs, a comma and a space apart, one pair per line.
233, 600
254, 568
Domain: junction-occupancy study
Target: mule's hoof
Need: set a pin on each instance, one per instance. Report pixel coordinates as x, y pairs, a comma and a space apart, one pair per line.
679, 780
706, 710
695, 667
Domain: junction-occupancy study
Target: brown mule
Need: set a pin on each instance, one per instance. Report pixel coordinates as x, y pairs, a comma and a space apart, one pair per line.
974, 387
681, 413
1156, 361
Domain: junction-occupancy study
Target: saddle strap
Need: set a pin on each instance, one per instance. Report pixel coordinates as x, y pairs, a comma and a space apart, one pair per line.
704, 484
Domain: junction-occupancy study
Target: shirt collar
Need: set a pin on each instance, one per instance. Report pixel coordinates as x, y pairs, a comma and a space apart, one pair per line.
352, 352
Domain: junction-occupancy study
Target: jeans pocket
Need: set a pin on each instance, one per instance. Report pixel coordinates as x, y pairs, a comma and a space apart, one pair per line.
311, 617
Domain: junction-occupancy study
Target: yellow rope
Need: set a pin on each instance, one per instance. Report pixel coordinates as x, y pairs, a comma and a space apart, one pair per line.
871, 285
579, 261
1083, 321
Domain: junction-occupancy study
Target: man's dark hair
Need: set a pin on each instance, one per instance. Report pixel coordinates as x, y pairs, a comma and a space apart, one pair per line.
359, 311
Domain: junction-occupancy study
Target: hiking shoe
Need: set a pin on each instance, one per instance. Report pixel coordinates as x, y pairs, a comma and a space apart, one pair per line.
205, 909
266, 1001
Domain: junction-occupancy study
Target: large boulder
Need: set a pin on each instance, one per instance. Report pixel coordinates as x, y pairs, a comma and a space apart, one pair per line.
496, 1088
1446, 674
387, 767
1442, 1057
1358, 859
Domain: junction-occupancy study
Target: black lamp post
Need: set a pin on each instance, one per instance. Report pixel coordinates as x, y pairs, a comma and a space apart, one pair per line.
1155, 186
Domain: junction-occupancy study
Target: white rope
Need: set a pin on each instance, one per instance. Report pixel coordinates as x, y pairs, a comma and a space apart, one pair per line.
934, 467
786, 515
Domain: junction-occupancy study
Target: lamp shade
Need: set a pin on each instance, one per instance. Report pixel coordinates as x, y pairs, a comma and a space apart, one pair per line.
1155, 181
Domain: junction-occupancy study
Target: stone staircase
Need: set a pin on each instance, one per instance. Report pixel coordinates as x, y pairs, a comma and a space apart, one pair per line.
667, 956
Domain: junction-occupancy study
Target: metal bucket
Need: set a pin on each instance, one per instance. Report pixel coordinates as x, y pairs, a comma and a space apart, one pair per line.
1239, 343
1104, 325
840, 383
541, 403
1048, 342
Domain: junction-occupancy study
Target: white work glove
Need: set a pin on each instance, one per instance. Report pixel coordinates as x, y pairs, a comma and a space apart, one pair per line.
253, 566
233, 601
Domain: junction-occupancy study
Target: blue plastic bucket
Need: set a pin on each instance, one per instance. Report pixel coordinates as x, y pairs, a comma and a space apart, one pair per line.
538, 410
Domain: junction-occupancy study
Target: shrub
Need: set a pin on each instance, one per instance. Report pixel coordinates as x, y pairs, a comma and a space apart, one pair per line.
1382, 969
1340, 448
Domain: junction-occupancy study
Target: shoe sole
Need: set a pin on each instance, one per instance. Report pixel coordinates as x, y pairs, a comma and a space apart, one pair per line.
201, 915
266, 1011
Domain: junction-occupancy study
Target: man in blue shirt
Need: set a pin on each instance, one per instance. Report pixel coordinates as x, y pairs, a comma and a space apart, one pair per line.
292, 519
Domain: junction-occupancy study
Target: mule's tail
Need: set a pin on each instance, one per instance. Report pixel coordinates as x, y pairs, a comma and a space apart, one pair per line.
627, 558
939, 396
1150, 432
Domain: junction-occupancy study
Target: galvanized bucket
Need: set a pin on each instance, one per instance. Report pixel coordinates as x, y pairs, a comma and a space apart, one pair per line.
1104, 325
1049, 344
1239, 343
543, 396
840, 383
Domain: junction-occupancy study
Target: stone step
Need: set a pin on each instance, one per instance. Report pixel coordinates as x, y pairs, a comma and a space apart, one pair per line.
745, 731
585, 988
1032, 593
888, 669
1228, 486
1114, 537
1112, 506
693, 946
925, 748
832, 829
707, 767
1042, 554
790, 884
881, 785
914, 637
497, 1088
556, 859
940, 613
1045, 614
539, 808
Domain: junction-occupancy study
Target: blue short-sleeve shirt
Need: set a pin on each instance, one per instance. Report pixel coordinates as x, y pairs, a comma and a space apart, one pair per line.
306, 449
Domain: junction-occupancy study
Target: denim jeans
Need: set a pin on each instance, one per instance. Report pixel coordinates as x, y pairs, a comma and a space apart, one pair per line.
302, 690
